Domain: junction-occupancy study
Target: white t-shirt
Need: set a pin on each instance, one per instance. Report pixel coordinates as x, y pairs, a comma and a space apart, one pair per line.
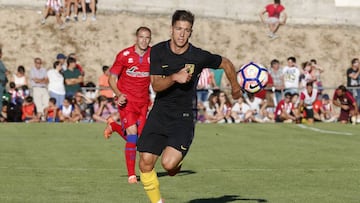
291, 77
255, 104
240, 109
56, 82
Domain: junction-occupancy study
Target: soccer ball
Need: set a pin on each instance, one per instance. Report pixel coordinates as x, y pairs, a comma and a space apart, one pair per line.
252, 77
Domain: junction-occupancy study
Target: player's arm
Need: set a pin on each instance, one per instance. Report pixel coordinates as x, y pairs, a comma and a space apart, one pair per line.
230, 73
160, 83
261, 14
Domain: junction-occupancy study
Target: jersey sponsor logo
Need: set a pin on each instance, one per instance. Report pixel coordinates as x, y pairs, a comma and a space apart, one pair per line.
130, 60
132, 72
183, 148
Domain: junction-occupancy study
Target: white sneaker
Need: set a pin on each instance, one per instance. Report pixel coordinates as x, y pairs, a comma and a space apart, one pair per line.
93, 18
62, 26
84, 17
43, 21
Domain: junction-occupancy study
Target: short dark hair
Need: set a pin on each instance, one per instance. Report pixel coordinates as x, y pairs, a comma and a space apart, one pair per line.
142, 28
52, 100
292, 58
274, 61
183, 15
277, 1
29, 99
313, 61
70, 60
342, 88
56, 63
354, 60
105, 68
21, 68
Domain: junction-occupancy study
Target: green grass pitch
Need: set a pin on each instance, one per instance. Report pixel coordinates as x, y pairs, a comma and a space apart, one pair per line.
226, 163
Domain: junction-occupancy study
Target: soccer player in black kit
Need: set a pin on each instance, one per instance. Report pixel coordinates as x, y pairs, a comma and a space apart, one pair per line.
175, 66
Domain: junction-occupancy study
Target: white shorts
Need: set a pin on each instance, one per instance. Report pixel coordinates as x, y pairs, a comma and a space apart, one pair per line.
272, 20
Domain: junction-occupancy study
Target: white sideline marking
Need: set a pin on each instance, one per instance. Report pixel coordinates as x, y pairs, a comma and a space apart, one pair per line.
323, 131
202, 170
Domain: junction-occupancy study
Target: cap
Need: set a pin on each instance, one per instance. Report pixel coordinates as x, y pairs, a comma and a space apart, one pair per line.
326, 97
60, 56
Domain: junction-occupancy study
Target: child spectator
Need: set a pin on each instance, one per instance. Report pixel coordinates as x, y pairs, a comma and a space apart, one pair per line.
19, 78
3, 113
53, 7
284, 111
69, 112
29, 113
212, 111
327, 110
51, 111
104, 86
240, 111
225, 107
103, 108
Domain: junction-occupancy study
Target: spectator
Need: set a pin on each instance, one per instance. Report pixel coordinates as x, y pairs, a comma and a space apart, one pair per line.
306, 75
82, 102
256, 108
104, 109
69, 112
316, 72
39, 81
62, 60
353, 79
327, 110
91, 95
276, 17
4, 110
3, 78
104, 86
53, 7
241, 111
291, 76
51, 111
284, 111
212, 111
56, 85
78, 66
92, 6
206, 83
19, 78
277, 75
348, 108
307, 99
29, 111
75, 4
225, 107
72, 77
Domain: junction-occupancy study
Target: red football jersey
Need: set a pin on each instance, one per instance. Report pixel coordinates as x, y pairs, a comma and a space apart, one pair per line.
274, 10
133, 73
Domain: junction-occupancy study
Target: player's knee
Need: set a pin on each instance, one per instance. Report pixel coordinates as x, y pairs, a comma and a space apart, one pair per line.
168, 165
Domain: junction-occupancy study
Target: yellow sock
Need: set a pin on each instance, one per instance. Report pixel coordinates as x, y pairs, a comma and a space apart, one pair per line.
151, 186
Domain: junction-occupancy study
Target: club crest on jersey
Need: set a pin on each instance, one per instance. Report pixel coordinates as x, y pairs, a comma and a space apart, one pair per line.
126, 53
132, 72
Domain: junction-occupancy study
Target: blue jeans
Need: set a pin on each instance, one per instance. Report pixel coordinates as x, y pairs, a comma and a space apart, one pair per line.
59, 98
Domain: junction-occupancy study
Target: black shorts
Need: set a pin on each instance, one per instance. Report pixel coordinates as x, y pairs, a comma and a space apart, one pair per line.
309, 113
167, 127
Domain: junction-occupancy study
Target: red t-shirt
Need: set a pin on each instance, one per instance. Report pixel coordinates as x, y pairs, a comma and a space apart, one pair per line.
274, 10
283, 106
133, 73
262, 93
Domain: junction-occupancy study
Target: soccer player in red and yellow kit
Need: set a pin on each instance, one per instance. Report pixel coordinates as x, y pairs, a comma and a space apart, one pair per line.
130, 80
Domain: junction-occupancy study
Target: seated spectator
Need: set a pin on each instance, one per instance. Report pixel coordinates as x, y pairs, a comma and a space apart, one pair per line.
75, 4
51, 111
4, 110
225, 107
104, 86
212, 111
53, 7
284, 111
307, 99
91, 96
69, 112
29, 113
348, 107
241, 111
82, 103
103, 108
19, 78
256, 107
327, 110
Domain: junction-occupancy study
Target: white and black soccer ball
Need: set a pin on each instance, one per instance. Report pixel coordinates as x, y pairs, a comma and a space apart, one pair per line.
253, 77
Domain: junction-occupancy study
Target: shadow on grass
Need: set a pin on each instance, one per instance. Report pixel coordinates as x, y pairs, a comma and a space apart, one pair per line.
225, 199
181, 173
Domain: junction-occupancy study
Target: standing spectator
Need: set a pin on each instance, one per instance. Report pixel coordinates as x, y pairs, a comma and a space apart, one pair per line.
316, 72
78, 66
276, 17
39, 81
130, 80
277, 75
75, 4
3, 78
205, 85
56, 85
92, 5
53, 7
73, 78
291, 76
307, 98
169, 129
19, 78
62, 60
104, 86
348, 108
353, 79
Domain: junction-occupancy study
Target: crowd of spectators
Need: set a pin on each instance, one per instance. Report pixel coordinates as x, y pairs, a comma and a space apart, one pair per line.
293, 95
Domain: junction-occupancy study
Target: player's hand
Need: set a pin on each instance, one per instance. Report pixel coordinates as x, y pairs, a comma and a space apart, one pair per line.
120, 100
183, 76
